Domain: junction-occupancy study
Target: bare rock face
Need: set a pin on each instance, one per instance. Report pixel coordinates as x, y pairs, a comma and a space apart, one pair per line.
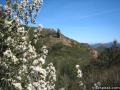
94, 53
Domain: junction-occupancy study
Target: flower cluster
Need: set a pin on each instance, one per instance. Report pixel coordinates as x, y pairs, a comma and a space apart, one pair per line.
80, 76
97, 85
24, 10
37, 33
9, 55
38, 73
79, 72
30, 63
51, 76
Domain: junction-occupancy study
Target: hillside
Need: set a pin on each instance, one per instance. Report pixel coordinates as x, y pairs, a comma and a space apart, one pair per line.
64, 46
65, 53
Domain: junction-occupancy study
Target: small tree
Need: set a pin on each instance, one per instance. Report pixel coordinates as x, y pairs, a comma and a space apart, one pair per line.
111, 55
58, 33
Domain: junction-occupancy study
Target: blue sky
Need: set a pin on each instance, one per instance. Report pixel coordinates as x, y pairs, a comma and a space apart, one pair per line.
89, 21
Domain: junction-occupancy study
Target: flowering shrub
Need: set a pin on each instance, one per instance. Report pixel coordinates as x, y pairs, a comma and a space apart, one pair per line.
21, 66
80, 76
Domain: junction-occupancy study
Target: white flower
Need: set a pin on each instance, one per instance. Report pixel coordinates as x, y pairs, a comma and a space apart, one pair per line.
24, 68
21, 30
14, 58
79, 72
39, 69
44, 47
36, 84
35, 62
30, 87
19, 78
77, 66
31, 48
98, 84
81, 83
42, 60
8, 23
24, 38
18, 86
9, 39
8, 53
54, 77
45, 51
42, 85
35, 35
95, 85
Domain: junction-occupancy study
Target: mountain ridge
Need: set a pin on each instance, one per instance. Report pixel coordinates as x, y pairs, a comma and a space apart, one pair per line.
107, 45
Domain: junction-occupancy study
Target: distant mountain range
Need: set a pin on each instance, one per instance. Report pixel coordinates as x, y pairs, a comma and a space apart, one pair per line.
109, 44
